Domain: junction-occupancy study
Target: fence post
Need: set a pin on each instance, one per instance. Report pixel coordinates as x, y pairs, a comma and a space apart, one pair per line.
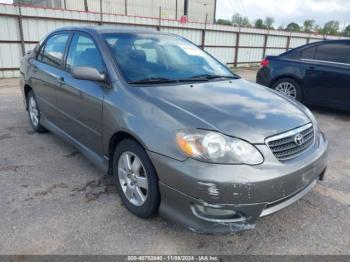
160, 18
176, 9
204, 31
101, 13
236, 48
288, 42
265, 45
20, 27
126, 7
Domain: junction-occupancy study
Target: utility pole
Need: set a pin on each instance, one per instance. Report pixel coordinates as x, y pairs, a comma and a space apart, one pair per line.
101, 14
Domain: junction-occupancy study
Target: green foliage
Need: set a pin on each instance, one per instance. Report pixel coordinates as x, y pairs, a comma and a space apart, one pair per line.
308, 25
330, 28
237, 19
223, 22
268, 21
293, 27
347, 31
259, 23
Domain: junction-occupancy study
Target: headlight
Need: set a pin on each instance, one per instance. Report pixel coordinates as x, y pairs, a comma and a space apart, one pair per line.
214, 147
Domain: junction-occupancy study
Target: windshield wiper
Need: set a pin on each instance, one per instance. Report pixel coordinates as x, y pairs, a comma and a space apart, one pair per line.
206, 77
153, 80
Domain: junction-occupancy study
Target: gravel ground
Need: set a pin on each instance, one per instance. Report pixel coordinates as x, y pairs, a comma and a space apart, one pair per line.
54, 201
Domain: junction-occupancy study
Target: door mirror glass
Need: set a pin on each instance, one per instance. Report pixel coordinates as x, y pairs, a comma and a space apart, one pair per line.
88, 73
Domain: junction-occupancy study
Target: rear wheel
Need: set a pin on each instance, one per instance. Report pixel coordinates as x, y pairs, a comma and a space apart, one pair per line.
289, 87
136, 179
34, 113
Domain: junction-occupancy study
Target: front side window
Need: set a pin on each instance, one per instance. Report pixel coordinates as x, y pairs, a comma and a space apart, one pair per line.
84, 52
333, 52
53, 51
152, 56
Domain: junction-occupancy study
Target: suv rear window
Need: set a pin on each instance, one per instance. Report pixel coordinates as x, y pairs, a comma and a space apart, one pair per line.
333, 52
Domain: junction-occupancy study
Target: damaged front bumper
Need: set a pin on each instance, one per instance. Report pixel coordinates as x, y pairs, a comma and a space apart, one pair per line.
219, 199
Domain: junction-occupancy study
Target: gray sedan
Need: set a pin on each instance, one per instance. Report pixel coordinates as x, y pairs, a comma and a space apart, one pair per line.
180, 133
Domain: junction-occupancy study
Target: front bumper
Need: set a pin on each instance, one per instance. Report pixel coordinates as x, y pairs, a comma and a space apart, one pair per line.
218, 199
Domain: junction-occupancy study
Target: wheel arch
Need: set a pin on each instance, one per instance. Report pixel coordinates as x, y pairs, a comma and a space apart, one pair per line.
115, 139
295, 78
26, 90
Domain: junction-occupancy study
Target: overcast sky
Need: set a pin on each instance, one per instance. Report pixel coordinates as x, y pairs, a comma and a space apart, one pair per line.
286, 11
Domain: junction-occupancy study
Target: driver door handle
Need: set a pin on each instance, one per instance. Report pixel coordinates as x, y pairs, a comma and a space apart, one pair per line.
60, 80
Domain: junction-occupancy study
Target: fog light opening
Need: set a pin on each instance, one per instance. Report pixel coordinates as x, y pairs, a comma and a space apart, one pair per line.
216, 213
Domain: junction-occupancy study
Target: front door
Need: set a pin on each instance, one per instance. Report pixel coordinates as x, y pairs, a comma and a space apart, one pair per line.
80, 101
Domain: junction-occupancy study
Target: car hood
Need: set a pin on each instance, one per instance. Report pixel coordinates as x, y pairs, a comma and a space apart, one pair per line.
236, 108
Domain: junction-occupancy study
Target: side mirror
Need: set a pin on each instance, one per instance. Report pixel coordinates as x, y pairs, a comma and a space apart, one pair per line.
88, 73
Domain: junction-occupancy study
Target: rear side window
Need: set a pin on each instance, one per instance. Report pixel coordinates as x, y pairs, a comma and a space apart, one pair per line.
52, 52
308, 53
84, 52
333, 52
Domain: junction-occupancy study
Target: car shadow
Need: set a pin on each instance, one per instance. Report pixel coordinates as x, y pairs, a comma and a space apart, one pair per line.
339, 114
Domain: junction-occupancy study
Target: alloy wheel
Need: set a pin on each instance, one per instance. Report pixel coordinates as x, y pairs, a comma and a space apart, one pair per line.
287, 89
133, 178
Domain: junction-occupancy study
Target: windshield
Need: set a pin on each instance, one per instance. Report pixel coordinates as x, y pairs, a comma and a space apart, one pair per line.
144, 58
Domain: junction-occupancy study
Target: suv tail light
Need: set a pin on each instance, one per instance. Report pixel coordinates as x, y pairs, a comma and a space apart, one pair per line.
264, 63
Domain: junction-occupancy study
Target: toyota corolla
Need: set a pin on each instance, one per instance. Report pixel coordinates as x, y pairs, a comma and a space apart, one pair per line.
180, 133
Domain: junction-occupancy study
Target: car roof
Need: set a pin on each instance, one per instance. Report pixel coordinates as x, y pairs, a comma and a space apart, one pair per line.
111, 29
321, 42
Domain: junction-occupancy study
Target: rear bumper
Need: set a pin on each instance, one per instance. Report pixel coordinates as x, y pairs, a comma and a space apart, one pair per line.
219, 199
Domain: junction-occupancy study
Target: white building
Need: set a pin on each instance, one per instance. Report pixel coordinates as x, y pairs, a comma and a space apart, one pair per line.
197, 10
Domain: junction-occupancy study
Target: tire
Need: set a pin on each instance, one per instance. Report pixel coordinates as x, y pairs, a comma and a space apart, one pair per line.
34, 113
289, 87
131, 178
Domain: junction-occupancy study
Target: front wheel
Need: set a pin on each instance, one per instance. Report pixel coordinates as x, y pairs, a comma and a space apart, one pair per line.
289, 87
136, 179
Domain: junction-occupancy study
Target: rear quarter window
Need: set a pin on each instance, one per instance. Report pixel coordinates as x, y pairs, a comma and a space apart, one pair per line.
333, 52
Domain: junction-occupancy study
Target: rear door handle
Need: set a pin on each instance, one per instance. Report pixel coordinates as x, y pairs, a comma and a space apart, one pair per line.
311, 68
60, 80
35, 69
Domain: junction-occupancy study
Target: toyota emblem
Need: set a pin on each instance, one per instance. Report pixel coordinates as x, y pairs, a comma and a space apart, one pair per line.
299, 139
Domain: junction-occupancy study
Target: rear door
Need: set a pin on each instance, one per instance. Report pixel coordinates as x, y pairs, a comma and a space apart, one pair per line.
80, 101
327, 77
47, 71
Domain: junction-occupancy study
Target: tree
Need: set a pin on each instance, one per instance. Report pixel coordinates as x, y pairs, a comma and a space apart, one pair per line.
259, 23
293, 27
318, 29
331, 28
223, 22
347, 31
237, 19
308, 25
269, 22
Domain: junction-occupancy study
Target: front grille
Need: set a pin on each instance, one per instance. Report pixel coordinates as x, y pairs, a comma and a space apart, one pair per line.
286, 146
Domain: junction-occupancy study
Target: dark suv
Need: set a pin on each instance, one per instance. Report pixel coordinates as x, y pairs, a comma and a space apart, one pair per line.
317, 73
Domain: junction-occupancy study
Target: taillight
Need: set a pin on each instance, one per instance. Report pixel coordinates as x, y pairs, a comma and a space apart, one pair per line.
264, 63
